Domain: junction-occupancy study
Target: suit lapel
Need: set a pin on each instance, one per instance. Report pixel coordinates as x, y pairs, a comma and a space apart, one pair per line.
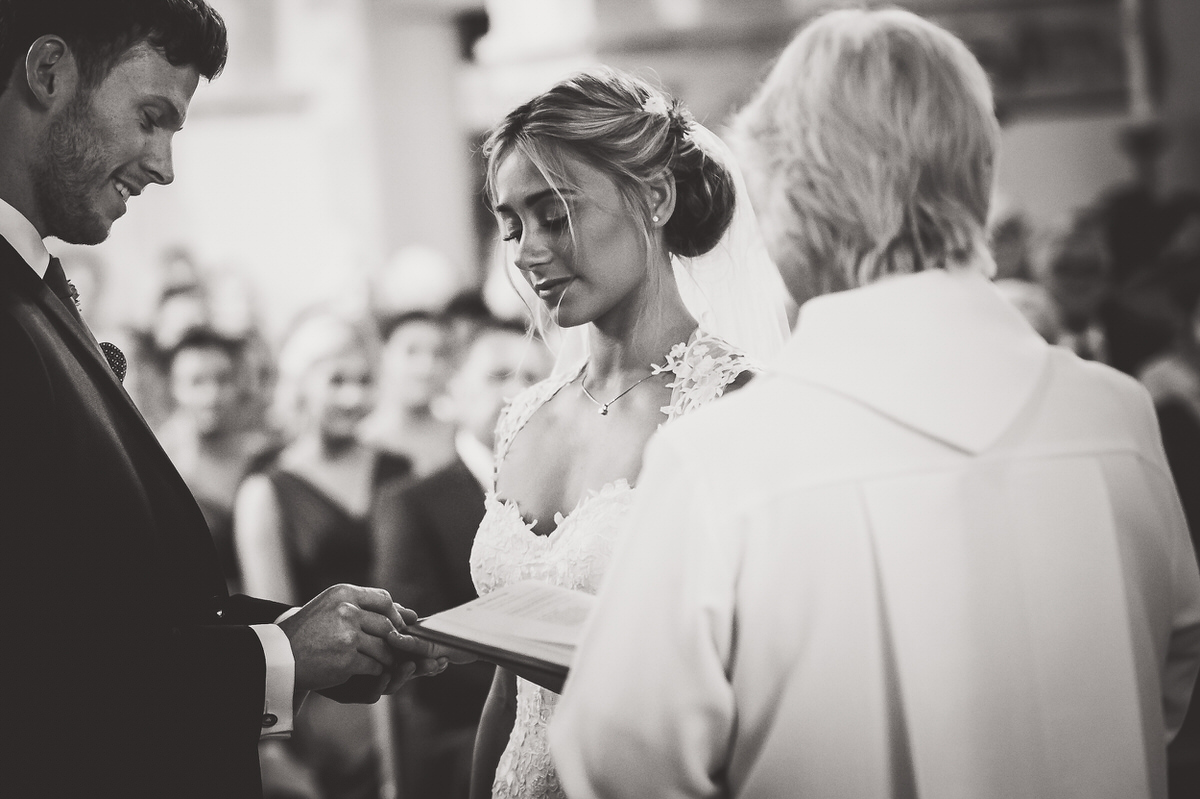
79, 342
78, 338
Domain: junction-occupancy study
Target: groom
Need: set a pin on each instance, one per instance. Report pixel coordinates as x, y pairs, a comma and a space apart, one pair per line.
128, 670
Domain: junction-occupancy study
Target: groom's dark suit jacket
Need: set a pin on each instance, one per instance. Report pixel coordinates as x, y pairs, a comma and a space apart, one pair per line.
128, 670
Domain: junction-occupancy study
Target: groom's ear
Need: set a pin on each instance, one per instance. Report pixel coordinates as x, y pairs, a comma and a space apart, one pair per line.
51, 74
660, 196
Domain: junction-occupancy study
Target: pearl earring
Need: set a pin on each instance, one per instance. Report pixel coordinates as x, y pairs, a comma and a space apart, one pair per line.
654, 218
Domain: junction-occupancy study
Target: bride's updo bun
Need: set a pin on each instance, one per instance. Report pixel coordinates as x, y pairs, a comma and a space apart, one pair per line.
704, 196
633, 133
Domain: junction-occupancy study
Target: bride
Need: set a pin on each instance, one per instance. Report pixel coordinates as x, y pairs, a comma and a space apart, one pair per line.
601, 186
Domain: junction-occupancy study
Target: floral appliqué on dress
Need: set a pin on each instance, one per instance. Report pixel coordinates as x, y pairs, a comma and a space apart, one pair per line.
577, 552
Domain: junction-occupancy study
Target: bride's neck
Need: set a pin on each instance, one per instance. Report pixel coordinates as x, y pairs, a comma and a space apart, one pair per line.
630, 342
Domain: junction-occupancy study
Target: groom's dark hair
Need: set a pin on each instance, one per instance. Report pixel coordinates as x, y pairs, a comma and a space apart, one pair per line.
99, 32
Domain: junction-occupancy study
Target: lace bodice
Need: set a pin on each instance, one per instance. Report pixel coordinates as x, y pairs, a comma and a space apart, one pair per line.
577, 552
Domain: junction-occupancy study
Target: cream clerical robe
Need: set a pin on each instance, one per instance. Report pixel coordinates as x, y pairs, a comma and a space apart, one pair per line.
926, 556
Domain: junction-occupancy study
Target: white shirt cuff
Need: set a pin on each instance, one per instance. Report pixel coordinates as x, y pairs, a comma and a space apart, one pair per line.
281, 678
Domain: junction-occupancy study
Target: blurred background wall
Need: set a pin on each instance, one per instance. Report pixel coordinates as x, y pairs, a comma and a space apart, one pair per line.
343, 132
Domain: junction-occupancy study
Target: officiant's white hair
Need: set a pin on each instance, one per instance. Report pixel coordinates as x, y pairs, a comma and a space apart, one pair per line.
870, 148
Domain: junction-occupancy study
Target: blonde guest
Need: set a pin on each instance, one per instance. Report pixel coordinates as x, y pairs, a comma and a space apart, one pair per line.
928, 554
303, 525
416, 361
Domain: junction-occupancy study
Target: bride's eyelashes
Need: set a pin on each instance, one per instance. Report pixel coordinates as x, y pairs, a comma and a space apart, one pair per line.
553, 218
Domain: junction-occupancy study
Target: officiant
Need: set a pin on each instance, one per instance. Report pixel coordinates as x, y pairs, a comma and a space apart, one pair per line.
129, 670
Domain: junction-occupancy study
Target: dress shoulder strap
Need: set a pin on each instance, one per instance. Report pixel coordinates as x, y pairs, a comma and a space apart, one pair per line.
704, 366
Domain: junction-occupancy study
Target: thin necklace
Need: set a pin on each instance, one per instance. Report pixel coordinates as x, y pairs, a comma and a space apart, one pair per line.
603, 406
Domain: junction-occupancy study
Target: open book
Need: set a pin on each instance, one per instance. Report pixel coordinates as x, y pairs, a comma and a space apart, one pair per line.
530, 628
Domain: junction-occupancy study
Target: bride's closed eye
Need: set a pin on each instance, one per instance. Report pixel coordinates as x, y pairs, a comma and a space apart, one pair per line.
553, 218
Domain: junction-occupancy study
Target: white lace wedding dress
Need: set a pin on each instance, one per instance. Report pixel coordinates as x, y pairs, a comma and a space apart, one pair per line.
577, 552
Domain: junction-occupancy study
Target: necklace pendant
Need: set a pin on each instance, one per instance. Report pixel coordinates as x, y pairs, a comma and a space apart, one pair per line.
604, 409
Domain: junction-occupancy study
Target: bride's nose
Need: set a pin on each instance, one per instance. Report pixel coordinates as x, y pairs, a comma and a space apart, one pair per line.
532, 251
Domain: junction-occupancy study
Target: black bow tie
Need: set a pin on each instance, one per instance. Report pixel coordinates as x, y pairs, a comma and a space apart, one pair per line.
56, 281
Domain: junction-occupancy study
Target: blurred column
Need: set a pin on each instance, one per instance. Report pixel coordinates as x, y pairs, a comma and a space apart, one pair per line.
1141, 101
1179, 22
423, 147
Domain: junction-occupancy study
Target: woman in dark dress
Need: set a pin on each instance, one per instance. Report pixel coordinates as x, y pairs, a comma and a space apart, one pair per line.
302, 526
206, 436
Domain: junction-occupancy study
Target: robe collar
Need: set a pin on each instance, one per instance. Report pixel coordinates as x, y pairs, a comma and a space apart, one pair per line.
939, 351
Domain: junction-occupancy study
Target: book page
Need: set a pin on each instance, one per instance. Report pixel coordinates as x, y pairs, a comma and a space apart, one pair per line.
529, 617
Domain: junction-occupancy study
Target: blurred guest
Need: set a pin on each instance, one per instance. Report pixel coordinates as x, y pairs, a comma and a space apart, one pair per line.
180, 310
415, 278
415, 364
1035, 304
1139, 219
177, 268
144, 381
423, 535
1075, 266
302, 526
466, 314
928, 556
1173, 380
255, 384
1009, 233
205, 437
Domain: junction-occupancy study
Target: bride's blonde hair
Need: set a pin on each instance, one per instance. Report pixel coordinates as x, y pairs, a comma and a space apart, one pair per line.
634, 134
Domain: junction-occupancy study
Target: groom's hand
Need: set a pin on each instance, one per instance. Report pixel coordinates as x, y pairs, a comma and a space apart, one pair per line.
412, 658
342, 633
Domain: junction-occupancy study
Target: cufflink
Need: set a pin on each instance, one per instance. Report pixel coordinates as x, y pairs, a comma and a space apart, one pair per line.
269, 720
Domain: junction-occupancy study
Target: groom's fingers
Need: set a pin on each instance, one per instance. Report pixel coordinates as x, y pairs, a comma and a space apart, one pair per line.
412, 647
364, 664
400, 675
380, 601
373, 624
376, 649
406, 615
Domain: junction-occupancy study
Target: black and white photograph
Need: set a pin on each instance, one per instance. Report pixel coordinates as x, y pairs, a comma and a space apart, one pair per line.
600, 399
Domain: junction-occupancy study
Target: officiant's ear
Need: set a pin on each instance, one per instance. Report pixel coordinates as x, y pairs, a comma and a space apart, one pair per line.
51, 74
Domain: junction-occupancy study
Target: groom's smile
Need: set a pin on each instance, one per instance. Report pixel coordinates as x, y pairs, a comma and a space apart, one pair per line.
109, 141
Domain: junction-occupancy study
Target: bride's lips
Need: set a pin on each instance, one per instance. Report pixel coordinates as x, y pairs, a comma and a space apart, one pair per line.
550, 286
